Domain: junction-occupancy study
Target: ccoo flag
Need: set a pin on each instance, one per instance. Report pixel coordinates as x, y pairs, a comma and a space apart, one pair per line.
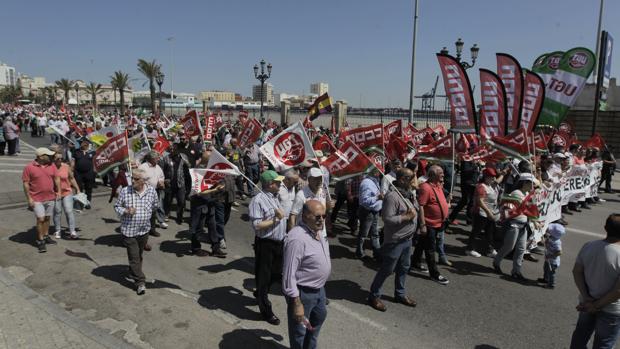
321, 105
509, 70
493, 111
458, 91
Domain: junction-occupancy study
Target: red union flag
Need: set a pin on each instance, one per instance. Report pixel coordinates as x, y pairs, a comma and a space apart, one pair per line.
210, 126
408, 133
161, 144
364, 137
289, 148
595, 141
111, 154
439, 149
493, 112
217, 168
324, 144
348, 161
191, 124
485, 153
458, 91
515, 144
396, 148
251, 132
393, 128
541, 141
533, 97
509, 70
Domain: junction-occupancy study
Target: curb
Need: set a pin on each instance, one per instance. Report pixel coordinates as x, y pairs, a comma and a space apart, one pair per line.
85, 328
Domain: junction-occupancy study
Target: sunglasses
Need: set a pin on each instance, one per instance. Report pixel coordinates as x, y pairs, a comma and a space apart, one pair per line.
136, 179
317, 217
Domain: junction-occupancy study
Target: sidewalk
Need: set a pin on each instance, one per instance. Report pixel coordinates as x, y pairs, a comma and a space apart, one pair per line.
29, 320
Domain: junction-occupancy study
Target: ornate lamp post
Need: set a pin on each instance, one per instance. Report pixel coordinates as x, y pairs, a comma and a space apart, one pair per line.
159, 79
262, 77
459, 51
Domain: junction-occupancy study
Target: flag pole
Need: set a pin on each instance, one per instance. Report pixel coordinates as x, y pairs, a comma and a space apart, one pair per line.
453, 161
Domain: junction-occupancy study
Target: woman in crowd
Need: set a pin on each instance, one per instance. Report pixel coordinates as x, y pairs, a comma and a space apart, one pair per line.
67, 182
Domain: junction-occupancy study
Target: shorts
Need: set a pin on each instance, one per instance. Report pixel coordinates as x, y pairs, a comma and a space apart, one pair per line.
43, 209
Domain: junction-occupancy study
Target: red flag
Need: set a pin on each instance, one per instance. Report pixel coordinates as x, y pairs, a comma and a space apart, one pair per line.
393, 128
243, 117
533, 97
217, 168
514, 144
440, 130
210, 127
540, 140
427, 138
462, 146
458, 90
511, 74
396, 148
324, 144
348, 161
595, 141
251, 132
485, 153
307, 123
364, 137
562, 139
111, 154
566, 128
439, 149
191, 124
408, 133
161, 144
493, 112
289, 148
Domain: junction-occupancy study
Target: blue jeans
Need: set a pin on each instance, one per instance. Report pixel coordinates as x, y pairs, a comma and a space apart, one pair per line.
515, 236
252, 171
606, 328
396, 257
439, 245
66, 203
368, 224
549, 272
315, 311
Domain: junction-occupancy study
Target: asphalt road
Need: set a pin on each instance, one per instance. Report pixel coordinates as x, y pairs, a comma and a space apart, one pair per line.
207, 302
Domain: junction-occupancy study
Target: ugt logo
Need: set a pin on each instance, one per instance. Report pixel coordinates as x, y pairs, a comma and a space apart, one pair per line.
290, 149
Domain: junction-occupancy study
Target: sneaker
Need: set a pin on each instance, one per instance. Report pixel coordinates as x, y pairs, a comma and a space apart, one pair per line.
421, 268
199, 252
517, 276
223, 244
163, 225
57, 235
492, 254
529, 257
235, 204
41, 246
445, 262
217, 252
74, 235
49, 240
141, 290
441, 280
549, 287
603, 200
473, 253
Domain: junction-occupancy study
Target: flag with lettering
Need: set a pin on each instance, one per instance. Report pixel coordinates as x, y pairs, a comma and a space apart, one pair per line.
217, 168
510, 72
515, 144
349, 161
441, 149
210, 127
493, 110
324, 144
486, 154
596, 141
289, 148
396, 148
110, 154
191, 124
458, 91
533, 98
251, 133
364, 137
393, 128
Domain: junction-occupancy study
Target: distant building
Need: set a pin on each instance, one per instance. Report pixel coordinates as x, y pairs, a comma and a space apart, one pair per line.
30, 85
267, 94
279, 97
238, 97
319, 88
217, 96
7, 76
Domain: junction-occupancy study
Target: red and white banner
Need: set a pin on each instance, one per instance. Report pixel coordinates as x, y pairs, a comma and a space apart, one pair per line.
161, 144
510, 72
515, 144
364, 137
485, 153
533, 97
348, 161
439, 149
289, 148
408, 132
251, 133
324, 144
396, 148
217, 168
393, 128
111, 154
540, 141
191, 124
493, 111
210, 127
458, 91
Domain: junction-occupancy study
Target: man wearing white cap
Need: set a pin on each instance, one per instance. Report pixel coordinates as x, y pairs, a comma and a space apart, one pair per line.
42, 187
315, 190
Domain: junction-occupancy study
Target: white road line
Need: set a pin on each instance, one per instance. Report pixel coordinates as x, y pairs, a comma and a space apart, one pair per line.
12, 165
21, 142
11, 171
16, 158
585, 232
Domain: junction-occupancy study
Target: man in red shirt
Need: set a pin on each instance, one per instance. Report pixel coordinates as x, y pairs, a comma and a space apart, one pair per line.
42, 189
434, 209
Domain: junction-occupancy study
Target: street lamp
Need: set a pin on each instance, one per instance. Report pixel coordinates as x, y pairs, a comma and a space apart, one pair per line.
459, 51
159, 79
77, 95
262, 77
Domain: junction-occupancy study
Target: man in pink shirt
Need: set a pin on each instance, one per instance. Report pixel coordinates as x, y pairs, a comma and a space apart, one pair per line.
42, 188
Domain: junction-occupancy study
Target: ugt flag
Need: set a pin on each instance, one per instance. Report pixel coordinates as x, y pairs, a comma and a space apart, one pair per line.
289, 148
217, 168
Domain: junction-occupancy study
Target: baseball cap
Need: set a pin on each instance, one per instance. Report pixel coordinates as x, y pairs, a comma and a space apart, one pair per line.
556, 230
489, 172
270, 176
315, 172
44, 151
526, 177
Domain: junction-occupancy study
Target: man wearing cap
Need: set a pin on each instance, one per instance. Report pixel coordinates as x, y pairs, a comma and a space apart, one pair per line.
269, 224
83, 169
315, 190
42, 187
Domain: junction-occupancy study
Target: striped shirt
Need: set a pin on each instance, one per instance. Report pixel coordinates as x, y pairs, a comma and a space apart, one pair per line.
145, 203
262, 208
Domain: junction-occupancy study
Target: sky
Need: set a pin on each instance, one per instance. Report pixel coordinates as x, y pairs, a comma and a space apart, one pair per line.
362, 48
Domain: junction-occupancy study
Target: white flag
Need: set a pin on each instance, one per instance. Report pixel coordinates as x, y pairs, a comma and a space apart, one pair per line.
289, 148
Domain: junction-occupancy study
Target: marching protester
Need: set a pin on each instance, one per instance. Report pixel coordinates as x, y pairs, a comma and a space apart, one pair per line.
314, 190
370, 203
135, 205
486, 213
65, 203
83, 170
288, 192
41, 183
156, 179
306, 268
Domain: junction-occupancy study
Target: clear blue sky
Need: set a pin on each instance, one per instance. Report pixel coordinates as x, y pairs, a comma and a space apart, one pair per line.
362, 48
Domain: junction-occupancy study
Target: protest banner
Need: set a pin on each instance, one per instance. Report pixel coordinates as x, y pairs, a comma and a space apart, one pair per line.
289, 148
111, 154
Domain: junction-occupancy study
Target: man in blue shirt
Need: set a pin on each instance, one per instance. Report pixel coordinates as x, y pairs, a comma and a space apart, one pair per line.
370, 202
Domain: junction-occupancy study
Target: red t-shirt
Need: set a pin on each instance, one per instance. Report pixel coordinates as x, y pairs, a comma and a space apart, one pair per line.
41, 181
433, 216
65, 183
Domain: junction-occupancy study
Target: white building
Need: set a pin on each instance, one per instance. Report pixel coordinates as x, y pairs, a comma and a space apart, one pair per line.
7, 75
280, 97
267, 94
319, 88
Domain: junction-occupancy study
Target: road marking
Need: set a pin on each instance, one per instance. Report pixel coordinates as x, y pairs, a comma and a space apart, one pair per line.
585, 232
13, 165
11, 171
21, 142
15, 158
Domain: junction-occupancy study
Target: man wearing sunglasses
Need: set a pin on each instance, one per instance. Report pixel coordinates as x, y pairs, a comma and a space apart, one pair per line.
306, 268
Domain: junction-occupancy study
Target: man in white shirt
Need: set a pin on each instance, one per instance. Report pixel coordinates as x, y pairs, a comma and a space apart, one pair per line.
315, 190
287, 192
155, 176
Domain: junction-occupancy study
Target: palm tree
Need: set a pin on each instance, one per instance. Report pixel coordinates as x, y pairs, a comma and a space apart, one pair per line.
120, 81
93, 89
150, 71
65, 85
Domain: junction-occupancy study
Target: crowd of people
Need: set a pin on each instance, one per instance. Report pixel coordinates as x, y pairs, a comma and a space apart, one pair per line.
404, 211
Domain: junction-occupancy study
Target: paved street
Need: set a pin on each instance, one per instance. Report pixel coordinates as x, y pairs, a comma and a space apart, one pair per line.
207, 302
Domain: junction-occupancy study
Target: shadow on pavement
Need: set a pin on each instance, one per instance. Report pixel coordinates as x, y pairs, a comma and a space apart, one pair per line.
25, 237
112, 240
485, 346
110, 220
250, 338
118, 272
346, 290
468, 268
179, 248
230, 300
337, 251
244, 264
